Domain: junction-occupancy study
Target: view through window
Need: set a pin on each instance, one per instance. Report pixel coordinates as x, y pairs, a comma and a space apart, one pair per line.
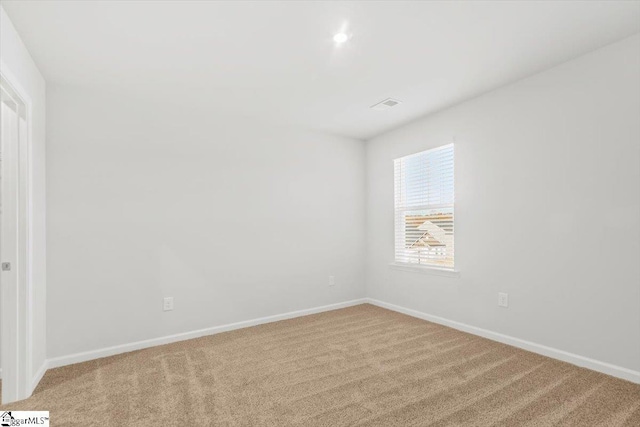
424, 198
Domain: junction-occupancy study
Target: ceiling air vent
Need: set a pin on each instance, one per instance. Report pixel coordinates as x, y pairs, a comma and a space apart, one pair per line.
386, 104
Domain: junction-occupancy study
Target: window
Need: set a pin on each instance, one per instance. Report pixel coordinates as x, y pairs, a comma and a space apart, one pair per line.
424, 197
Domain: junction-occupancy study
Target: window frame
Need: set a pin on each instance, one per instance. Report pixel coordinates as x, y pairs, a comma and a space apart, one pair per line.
399, 265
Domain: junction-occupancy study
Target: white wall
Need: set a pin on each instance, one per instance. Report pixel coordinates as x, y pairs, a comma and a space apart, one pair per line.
234, 219
16, 58
547, 209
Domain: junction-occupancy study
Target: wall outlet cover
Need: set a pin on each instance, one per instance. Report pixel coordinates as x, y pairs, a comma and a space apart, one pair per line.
503, 299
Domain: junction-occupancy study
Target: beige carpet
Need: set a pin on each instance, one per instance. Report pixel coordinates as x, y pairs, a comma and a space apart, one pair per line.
360, 366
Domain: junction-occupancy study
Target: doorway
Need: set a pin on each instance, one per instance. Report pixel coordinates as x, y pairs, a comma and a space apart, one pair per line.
15, 287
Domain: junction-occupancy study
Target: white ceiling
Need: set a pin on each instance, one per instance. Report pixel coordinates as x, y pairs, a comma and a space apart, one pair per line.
276, 61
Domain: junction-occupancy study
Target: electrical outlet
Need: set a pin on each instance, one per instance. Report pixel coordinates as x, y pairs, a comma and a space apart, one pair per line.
503, 299
168, 304
332, 280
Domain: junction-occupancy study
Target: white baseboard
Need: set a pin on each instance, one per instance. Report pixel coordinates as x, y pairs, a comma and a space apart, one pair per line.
38, 376
0, 373
125, 348
585, 362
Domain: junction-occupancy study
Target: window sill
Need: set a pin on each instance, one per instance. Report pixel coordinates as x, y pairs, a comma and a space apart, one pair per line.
424, 269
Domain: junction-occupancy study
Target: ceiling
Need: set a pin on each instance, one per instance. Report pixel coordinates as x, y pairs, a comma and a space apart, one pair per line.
277, 62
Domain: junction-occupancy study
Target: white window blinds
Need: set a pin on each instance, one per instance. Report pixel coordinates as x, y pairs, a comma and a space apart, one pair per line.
424, 197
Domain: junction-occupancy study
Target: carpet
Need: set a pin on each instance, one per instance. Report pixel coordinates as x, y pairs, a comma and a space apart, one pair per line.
359, 366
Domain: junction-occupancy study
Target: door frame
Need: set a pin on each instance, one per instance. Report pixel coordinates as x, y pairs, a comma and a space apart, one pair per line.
16, 324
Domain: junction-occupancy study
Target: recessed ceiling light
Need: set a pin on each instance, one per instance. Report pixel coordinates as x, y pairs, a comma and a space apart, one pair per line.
340, 38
